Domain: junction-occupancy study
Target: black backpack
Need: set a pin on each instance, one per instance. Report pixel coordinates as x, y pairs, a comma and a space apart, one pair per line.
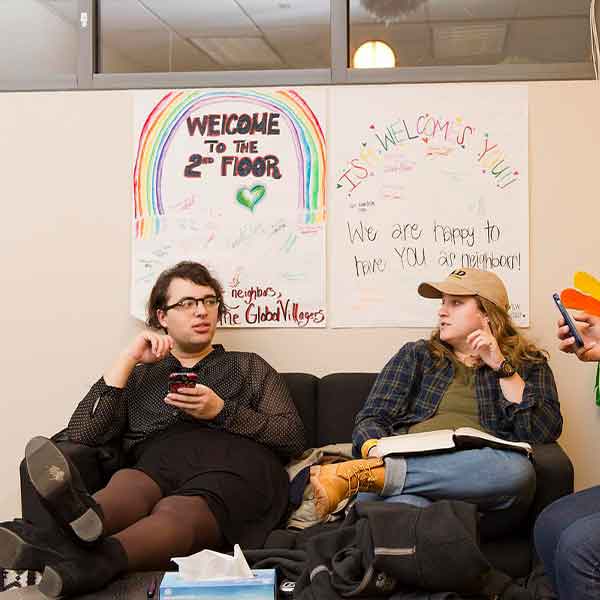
384, 549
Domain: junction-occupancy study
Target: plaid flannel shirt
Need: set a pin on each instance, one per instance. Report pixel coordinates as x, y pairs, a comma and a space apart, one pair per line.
411, 386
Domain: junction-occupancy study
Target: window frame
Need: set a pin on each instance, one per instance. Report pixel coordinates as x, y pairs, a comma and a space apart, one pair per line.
339, 73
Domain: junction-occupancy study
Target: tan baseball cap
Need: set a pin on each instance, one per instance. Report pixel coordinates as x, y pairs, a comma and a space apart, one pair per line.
468, 282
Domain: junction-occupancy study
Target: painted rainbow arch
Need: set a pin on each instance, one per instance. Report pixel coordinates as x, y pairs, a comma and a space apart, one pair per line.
171, 112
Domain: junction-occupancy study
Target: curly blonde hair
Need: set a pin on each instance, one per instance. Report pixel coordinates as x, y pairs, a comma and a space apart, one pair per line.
513, 345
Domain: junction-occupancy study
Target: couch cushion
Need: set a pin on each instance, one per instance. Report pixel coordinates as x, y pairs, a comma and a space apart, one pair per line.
340, 397
303, 388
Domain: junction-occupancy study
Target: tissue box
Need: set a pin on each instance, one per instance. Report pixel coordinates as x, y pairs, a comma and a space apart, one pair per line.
259, 587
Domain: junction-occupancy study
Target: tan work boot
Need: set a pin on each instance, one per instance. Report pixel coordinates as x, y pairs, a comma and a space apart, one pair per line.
334, 483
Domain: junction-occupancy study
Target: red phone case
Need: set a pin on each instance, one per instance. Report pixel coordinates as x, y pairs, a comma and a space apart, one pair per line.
179, 380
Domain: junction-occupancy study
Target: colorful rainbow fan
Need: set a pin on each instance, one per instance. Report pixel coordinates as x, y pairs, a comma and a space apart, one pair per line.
587, 295
587, 298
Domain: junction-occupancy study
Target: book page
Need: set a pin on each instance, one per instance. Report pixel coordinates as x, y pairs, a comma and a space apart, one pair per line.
416, 442
471, 432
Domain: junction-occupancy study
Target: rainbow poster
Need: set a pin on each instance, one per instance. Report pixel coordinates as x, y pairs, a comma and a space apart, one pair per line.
234, 179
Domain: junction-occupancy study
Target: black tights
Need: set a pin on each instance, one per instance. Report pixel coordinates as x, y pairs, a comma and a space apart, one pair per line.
152, 528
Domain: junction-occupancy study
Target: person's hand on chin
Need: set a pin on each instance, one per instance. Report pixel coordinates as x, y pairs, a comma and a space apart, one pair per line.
484, 345
149, 346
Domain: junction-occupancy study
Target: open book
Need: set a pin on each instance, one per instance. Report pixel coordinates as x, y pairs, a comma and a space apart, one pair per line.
462, 438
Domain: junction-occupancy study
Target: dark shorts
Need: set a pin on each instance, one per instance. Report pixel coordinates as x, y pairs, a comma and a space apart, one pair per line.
243, 482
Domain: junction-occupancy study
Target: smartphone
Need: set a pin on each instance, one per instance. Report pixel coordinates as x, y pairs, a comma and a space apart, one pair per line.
179, 380
568, 320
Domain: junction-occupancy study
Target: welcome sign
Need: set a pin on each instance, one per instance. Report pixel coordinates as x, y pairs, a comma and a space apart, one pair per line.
234, 179
428, 179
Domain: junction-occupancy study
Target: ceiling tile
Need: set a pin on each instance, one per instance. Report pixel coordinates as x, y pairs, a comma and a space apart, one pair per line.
206, 18
286, 13
469, 10
553, 8
549, 41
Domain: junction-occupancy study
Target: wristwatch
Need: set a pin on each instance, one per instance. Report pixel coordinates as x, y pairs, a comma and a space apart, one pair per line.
506, 369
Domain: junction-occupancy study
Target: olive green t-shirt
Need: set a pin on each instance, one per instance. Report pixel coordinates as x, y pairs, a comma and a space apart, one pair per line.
458, 407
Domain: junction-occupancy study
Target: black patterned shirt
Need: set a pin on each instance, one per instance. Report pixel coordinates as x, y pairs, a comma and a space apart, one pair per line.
257, 404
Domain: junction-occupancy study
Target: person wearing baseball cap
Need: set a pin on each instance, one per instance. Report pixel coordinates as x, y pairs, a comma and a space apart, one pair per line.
476, 370
469, 282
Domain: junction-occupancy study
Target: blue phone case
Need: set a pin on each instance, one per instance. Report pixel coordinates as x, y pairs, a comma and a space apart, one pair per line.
568, 320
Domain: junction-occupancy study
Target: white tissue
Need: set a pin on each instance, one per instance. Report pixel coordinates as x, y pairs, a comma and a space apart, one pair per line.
208, 564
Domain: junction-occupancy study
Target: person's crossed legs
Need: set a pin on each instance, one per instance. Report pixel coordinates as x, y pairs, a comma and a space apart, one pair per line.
492, 479
177, 526
140, 529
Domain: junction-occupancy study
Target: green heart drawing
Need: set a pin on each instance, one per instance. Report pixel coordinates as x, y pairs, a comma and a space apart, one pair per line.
251, 197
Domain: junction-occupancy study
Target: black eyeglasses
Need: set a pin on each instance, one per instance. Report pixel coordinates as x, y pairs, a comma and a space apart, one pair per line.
191, 304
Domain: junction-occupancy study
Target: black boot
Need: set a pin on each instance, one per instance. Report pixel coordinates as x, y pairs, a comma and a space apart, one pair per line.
89, 572
24, 546
60, 487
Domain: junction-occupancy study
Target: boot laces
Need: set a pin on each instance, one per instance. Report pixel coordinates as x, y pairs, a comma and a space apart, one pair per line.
360, 474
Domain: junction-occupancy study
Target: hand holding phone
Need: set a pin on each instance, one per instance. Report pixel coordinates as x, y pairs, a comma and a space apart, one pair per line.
202, 403
568, 321
182, 380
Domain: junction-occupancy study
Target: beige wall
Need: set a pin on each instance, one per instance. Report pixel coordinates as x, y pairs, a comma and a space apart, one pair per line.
65, 182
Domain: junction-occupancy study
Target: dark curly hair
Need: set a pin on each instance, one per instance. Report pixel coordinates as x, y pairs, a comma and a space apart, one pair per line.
189, 270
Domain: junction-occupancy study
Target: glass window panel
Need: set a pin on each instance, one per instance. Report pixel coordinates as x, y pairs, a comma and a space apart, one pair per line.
188, 35
38, 39
474, 32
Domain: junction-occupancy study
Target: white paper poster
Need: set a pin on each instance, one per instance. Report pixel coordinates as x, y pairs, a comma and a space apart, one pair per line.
425, 179
234, 179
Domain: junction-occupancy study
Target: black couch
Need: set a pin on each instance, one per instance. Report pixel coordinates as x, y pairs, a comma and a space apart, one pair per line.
327, 406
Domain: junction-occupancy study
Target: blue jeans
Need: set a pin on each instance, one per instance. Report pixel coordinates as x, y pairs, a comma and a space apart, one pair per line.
567, 538
492, 479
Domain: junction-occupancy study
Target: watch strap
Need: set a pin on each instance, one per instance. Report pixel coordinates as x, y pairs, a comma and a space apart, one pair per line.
506, 369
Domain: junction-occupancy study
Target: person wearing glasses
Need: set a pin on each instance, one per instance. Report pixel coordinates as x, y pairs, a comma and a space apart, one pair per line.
204, 463
567, 533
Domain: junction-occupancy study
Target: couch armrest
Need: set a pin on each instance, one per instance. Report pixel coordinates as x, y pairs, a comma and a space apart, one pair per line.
555, 476
95, 465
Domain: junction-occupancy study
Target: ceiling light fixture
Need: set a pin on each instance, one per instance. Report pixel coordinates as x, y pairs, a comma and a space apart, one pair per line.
374, 55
